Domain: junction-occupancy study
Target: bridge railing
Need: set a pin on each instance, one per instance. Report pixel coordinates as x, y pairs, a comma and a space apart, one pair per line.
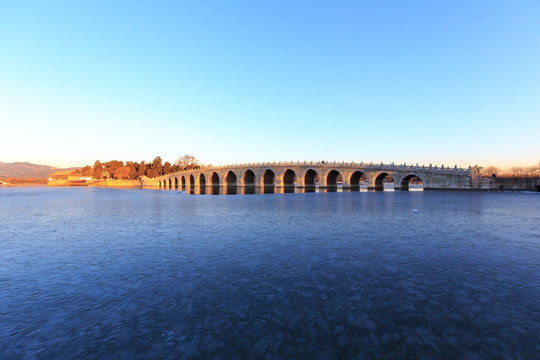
360, 165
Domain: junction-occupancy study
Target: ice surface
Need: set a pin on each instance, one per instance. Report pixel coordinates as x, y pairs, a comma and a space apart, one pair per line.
123, 274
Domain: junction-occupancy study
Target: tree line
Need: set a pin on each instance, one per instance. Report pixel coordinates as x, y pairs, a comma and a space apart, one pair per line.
25, 180
132, 170
514, 171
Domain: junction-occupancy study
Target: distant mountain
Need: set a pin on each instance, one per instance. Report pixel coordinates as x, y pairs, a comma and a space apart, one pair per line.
27, 170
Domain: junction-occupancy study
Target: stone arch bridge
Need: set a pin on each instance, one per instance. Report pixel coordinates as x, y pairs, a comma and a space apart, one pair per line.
320, 174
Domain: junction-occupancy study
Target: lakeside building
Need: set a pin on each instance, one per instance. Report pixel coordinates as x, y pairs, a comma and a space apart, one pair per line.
69, 178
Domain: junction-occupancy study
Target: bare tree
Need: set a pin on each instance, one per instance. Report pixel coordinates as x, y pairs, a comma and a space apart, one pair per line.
490, 171
517, 171
536, 171
187, 162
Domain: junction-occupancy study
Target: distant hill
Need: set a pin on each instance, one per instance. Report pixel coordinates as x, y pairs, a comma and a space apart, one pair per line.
27, 170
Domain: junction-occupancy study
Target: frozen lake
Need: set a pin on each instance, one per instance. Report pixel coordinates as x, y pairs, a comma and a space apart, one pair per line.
131, 273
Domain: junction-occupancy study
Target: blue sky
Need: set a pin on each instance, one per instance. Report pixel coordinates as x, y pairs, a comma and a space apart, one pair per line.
246, 81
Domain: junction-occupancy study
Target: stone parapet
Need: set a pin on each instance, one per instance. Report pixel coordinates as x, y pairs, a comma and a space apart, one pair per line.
319, 173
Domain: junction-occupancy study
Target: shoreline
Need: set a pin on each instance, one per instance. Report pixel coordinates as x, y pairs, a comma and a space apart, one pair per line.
296, 190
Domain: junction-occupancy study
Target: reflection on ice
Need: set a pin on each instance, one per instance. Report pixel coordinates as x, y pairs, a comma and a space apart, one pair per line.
251, 190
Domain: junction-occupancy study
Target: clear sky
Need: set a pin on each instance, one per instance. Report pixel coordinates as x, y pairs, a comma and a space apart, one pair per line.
455, 82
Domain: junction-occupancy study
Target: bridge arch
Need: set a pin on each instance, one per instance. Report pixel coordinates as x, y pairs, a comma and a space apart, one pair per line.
230, 178
356, 178
332, 178
268, 178
310, 178
191, 181
405, 182
183, 182
214, 179
248, 178
175, 182
289, 178
170, 183
202, 180
160, 184
379, 180
230, 182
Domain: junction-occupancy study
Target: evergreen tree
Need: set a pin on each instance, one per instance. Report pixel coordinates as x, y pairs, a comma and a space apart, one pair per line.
87, 170
157, 165
167, 168
151, 173
141, 171
98, 169
122, 173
